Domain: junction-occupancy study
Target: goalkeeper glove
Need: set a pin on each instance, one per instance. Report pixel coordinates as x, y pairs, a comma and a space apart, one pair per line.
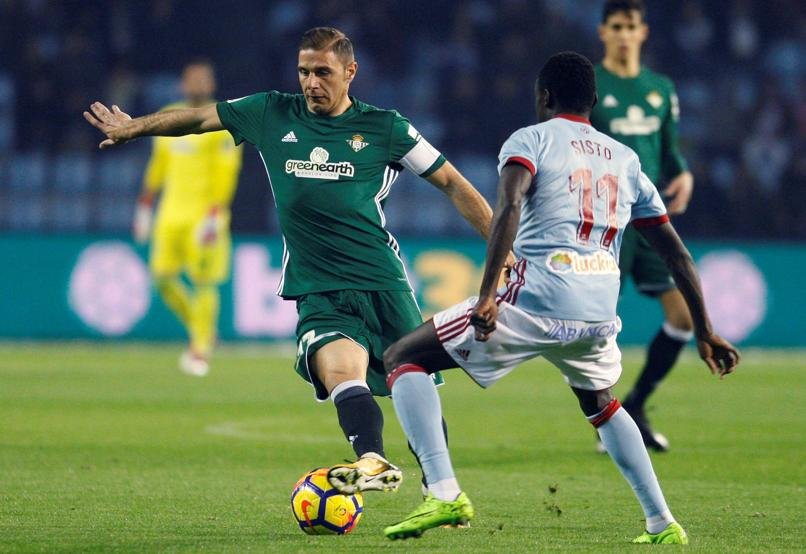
210, 227
143, 216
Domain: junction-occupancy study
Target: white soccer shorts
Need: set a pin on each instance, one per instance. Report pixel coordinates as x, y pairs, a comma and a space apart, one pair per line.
585, 352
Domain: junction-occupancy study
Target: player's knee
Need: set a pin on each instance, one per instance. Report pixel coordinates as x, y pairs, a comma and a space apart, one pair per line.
676, 311
204, 280
681, 321
333, 377
393, 357
593, 402
163, 282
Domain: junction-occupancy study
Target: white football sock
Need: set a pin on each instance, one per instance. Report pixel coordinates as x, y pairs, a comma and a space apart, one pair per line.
621, 437
447, 489
418, 409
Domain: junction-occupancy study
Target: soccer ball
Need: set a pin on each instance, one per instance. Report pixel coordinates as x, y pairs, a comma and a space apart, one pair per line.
322, 510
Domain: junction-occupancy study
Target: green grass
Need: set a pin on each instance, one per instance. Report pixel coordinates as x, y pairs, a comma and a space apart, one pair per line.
110, 448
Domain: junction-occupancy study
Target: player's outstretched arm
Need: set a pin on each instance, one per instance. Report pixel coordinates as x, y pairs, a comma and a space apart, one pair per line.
468, 201
119, 127
512, 186
720, 356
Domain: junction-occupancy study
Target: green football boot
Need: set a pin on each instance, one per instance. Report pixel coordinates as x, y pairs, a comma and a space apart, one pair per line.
432, 513
673, 534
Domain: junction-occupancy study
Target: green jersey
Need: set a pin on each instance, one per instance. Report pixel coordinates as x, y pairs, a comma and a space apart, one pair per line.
641, 112
330, 177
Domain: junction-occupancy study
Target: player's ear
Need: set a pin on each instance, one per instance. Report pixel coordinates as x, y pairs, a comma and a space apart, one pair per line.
548, 99
595, 99
602, 29
351, 70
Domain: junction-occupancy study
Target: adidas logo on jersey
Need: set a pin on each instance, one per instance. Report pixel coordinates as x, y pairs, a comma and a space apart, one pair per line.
290, 137
463, 353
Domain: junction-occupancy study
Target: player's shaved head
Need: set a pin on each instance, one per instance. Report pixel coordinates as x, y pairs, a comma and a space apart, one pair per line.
328, 39
570, 82
623, 6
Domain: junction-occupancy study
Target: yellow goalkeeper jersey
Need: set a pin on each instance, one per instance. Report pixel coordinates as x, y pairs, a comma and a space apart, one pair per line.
194, 173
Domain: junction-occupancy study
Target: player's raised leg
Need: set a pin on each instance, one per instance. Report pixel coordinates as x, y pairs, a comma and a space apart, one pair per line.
341, 366
622, 439
662, 355
409, 363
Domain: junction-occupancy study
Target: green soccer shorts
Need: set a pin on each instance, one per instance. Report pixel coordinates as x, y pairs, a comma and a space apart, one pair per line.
372, 319
640, 262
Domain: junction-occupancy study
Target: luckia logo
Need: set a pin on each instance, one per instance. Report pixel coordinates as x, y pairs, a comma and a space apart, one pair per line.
357, 143
559, 262
566, 261
317, 167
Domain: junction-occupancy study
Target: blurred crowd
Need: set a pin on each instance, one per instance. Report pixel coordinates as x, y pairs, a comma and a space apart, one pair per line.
462, 71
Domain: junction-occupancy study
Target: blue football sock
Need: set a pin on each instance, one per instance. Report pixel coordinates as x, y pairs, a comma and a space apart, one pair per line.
420, 413
622, 439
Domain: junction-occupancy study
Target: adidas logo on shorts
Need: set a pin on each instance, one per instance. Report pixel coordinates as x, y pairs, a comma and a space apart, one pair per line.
463, 353
290, 137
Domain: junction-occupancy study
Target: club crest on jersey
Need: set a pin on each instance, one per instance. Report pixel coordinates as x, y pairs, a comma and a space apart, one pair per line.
357, 143
317, 167
654, 99
567, 261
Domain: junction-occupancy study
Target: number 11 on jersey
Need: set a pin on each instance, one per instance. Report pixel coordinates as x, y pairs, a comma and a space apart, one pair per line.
581, 182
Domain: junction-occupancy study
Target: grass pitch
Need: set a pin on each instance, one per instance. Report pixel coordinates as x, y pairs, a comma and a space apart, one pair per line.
110, 448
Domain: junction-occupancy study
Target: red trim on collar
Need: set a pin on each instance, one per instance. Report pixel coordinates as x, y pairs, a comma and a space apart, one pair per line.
572, 117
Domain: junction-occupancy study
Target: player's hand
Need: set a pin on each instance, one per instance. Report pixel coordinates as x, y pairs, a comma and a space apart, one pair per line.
143, 215
114, 123
508, 265
720, 355
210, 228
483, 317
678, 193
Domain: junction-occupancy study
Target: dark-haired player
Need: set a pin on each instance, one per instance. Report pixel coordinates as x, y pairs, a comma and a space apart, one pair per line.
331, 161
639, 108
565, 194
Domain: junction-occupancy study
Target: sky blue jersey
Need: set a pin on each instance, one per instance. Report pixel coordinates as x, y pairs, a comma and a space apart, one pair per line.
587, 187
